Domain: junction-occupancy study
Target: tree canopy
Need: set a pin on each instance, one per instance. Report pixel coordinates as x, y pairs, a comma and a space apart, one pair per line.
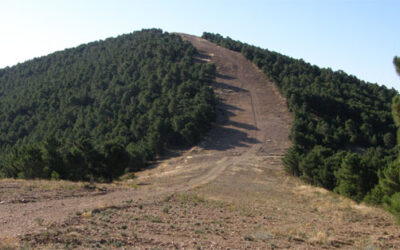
388, 188
103, 108
343, 132
396, 62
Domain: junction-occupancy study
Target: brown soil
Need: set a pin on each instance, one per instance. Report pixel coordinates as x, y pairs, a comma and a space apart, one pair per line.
230, 191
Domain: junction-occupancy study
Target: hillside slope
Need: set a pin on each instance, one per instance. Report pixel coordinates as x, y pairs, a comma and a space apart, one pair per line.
103, 108
343, 131
230, 191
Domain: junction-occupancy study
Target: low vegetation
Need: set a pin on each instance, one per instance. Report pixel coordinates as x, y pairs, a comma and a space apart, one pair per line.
103, 108
343, 133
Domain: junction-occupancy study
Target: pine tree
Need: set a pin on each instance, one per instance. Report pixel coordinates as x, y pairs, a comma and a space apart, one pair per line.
349, 177
396, 62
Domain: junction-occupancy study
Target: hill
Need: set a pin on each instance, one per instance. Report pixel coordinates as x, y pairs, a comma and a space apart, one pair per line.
103, 108
228, 191
343, 133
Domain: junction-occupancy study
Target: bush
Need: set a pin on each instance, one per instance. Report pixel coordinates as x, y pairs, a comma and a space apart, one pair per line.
394, 205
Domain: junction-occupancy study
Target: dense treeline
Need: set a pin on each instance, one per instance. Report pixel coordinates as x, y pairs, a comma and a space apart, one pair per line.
343, 133
388, 188
103, 108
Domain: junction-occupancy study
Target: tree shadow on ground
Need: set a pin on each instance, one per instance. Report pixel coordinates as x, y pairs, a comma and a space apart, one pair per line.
227, 133
224, 86
226, 77
223, 138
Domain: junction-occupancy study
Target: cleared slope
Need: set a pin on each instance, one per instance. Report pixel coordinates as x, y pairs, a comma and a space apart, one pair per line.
238, 171
336, 116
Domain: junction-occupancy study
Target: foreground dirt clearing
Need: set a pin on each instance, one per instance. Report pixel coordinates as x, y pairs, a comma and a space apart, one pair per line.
228, 192
187, 220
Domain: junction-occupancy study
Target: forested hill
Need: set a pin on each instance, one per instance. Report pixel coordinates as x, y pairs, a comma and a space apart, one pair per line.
102, 108
343, 132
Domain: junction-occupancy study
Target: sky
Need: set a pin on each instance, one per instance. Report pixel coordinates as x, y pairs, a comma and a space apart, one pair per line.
360, 37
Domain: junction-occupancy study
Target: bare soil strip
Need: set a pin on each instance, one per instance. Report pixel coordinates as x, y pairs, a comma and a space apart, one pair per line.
230, 191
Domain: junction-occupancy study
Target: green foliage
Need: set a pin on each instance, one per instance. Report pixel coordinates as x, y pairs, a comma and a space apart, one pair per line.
394, 205
113, 105
316, 157
389, 180
343, 131
375, 196
349, 177
396, 110
388, 188
387, 191
291, 161
396, 62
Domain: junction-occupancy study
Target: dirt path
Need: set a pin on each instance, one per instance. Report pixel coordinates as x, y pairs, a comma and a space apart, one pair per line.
239, 164
247, 100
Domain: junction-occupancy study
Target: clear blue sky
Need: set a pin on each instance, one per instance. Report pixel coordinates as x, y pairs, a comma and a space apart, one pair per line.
360, 37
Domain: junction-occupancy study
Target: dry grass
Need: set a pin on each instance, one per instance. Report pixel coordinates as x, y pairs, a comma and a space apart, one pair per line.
9, 243
25, 191
192, 221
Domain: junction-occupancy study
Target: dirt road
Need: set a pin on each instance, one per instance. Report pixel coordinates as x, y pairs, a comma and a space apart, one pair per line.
252, 119
239, 165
